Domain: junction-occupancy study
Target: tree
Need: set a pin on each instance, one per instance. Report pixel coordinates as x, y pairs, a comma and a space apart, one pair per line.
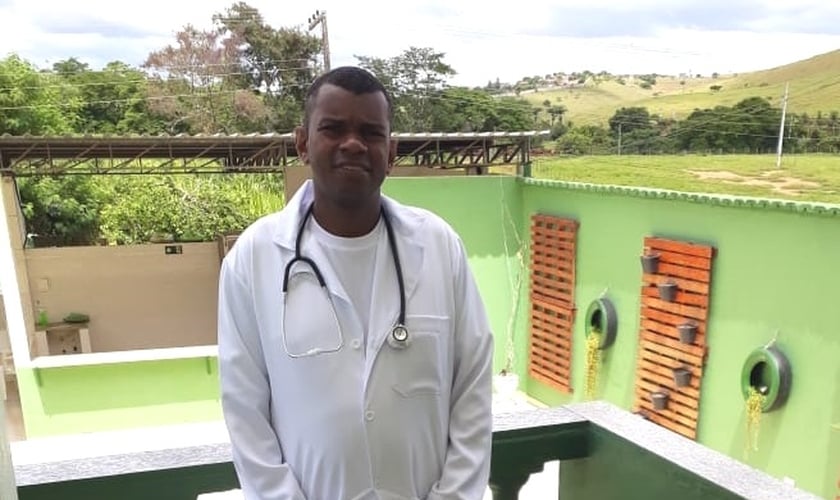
60, 211
280, 63
629, 119
459, 109
113, 100
32, 102
416, 78
194, 85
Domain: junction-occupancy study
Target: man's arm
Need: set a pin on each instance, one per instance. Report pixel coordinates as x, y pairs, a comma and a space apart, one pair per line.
246, 393
467, 468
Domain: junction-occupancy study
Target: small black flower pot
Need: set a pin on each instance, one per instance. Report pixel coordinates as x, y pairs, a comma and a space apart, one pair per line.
688, 331
682, 376
650, 263
659, 399
668, 290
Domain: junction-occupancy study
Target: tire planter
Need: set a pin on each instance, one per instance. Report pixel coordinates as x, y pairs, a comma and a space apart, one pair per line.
601, 316
768, 371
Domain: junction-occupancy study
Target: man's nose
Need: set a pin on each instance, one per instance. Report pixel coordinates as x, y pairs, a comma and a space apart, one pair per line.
352, 143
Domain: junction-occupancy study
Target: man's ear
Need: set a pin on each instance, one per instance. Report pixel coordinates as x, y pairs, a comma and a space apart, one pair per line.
301, 143
392, 155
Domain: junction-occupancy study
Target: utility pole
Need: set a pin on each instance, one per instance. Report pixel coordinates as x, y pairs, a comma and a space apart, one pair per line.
619, 138
782, 129
320, 17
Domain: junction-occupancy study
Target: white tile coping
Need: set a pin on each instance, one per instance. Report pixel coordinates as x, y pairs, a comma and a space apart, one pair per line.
130, 356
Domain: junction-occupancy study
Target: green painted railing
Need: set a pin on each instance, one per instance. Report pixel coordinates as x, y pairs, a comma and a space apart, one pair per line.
604, 453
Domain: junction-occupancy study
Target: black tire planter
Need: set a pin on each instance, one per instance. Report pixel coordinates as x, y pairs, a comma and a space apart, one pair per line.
767, 370
659, 400
667, 290
688, 332
682, 376
650, 263
601, 316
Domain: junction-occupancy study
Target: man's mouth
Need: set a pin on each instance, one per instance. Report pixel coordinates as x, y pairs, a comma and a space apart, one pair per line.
353, 167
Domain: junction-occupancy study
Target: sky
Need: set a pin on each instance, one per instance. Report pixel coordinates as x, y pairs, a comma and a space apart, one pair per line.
516, 39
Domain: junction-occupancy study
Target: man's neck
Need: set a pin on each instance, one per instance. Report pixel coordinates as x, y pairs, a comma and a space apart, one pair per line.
347, 222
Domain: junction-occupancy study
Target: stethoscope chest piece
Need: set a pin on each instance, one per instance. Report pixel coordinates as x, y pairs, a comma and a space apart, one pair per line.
399, 338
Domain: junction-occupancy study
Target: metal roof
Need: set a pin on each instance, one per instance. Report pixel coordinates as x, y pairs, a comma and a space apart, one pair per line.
62, 154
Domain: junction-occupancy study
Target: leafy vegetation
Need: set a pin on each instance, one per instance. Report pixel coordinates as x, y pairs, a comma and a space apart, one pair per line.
243, 75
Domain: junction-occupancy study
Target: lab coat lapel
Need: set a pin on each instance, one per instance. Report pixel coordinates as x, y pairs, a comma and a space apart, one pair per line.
286, 237
385, 303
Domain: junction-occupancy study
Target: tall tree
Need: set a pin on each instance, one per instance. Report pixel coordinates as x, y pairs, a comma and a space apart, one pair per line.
281, 62
32, 102
417, 78
194, 86
113, 99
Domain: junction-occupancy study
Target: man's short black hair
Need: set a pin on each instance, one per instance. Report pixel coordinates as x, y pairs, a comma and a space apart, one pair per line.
350, 78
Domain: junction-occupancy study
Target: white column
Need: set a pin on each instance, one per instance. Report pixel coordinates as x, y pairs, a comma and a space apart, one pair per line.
14, 289
8, 490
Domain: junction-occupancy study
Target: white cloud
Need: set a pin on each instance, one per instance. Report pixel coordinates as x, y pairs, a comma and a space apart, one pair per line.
521, 38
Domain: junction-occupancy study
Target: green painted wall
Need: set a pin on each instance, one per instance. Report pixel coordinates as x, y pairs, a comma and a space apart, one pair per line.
618, 469
118, 396
485, 212
91, 398
775, 272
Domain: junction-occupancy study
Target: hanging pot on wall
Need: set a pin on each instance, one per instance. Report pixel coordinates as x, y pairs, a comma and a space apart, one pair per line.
688, 332
650, 262
682, 376
668, 290
659, 400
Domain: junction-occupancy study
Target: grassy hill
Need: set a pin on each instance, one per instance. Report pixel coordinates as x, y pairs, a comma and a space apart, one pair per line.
814, 86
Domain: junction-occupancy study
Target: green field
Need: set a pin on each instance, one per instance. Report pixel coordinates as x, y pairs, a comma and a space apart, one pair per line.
801, 177
814, 86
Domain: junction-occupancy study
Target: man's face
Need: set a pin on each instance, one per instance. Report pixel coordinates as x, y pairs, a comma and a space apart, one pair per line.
347, 144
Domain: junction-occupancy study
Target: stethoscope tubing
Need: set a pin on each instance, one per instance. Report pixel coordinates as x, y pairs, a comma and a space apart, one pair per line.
399, 333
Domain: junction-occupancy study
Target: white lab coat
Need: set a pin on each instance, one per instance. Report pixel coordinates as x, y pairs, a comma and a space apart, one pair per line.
383, 424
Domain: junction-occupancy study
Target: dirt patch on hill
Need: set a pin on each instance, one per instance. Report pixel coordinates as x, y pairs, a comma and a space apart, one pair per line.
776, 181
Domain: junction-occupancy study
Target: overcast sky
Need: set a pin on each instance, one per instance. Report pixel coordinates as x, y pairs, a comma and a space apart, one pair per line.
524, 37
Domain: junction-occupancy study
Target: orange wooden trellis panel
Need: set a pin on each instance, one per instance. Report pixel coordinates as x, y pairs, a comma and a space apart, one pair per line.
689, 265
553, 243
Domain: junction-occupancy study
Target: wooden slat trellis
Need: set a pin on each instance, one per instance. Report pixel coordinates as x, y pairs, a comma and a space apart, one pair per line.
553, 243
689, 265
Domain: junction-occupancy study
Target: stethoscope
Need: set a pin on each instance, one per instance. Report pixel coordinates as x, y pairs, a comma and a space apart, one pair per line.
398, 338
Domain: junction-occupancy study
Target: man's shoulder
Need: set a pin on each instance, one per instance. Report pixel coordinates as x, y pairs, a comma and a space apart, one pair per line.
253, 238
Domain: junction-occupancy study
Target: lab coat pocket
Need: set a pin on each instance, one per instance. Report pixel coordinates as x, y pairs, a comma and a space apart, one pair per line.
421, 365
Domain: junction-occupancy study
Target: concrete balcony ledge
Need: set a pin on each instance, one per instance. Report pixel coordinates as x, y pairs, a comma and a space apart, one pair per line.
604, 452
121, 357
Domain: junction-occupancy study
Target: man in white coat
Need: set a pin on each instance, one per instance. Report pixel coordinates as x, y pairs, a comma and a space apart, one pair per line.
361, 370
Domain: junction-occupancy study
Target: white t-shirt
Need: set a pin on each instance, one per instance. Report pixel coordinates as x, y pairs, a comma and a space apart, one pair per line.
353, 260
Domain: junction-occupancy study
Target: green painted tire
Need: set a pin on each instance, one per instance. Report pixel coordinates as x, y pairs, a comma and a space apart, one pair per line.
768, 370
601, 313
